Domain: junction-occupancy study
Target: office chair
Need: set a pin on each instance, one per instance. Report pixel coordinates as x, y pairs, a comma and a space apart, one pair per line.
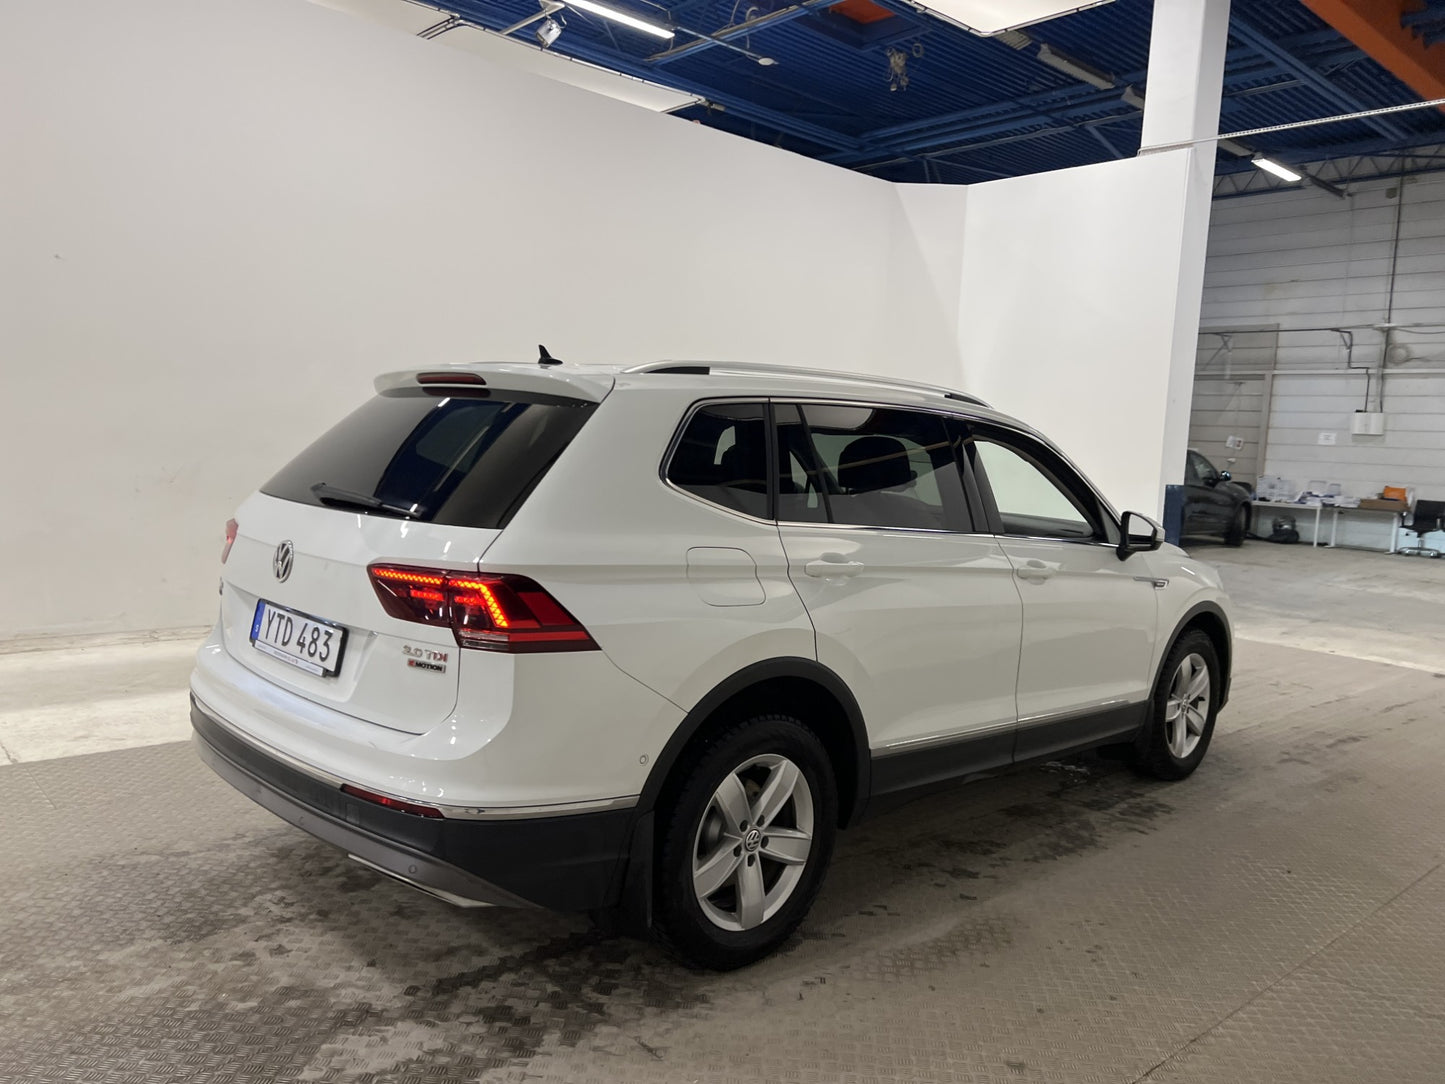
1428, 516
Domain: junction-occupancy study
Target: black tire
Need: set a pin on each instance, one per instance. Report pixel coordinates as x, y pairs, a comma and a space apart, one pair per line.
1152, 754
679, 921
1238, 528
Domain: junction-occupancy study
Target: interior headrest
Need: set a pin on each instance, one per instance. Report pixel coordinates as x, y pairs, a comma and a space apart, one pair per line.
873, 463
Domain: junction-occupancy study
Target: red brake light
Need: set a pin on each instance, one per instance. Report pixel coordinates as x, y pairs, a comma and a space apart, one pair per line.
231, 529
449, 378
390, 803
489, 611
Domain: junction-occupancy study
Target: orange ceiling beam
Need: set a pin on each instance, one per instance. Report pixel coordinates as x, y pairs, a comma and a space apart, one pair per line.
1374, 25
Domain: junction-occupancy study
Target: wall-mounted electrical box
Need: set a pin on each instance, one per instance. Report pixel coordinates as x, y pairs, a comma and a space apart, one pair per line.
1367, 423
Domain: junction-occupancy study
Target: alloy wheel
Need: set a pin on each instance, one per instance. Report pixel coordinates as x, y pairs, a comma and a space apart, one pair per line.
1187, 710
753, 842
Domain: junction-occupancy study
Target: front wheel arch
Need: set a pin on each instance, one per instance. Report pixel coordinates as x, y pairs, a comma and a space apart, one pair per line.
1209, 617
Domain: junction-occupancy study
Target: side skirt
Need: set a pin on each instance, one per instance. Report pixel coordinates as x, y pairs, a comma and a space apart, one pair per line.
903, 775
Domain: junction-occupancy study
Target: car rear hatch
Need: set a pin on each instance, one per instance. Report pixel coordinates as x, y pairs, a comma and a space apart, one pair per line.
424, 476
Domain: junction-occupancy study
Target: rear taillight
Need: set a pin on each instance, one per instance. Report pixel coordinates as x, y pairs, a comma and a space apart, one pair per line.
489, 611
231, 530
397, 804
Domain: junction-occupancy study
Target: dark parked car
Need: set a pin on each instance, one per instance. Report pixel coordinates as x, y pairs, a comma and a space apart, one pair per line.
1213, 504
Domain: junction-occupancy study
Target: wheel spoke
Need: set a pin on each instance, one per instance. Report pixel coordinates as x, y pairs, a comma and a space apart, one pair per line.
1181, 681
729, 882
1195, 720
752, 896
776, 792
1199, 684
716, 871
787, 845
732, 801
1172, 710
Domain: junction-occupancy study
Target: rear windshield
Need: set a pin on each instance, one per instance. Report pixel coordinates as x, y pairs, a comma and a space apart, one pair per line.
467, 460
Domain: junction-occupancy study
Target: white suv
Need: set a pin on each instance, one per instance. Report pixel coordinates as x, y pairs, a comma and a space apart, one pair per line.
639, 641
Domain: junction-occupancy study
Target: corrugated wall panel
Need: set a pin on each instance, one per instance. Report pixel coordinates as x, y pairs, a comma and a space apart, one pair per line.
1303, 259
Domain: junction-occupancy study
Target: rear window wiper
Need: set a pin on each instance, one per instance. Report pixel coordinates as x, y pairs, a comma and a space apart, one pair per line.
327, 493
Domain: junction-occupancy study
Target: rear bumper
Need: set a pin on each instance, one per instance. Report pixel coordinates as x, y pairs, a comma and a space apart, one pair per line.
568, 863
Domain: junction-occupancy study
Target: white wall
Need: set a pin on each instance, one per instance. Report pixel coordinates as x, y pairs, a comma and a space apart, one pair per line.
1305, 259
220, 218
1068, 309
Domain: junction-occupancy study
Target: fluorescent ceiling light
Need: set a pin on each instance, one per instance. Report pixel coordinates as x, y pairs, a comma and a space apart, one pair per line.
528, 58
607, 12
1076, 69
1284, 173
511, 53
987, 17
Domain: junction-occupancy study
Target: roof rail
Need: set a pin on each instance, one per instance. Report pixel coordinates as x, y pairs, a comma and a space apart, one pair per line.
704, 368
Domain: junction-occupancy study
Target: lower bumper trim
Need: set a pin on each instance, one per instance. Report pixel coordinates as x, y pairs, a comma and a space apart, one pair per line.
565, 863
416, 869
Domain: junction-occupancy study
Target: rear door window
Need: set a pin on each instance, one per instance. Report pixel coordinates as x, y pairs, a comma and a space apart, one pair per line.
465, 460
868, 466
722, 457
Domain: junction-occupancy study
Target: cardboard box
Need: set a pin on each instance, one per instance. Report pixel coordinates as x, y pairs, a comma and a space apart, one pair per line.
1376, 504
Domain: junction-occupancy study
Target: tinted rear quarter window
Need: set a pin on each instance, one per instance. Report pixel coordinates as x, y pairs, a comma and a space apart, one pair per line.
466, 460
722, 457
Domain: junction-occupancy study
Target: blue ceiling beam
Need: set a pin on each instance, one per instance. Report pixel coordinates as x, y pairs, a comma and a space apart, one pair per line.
1244, 64
1262, 44
1045, 105
741, 30
582, 49
1066, 104
1359, 148
1068, 107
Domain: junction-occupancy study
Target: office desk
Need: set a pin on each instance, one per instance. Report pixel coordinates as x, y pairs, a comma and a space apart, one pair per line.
1335, 511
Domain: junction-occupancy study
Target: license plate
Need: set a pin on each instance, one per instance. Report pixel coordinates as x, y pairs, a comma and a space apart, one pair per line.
303, 641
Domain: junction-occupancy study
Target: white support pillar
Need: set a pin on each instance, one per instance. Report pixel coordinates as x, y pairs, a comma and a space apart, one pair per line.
1186, 79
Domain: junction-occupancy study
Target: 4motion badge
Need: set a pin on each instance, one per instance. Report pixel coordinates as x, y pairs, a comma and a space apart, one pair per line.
425, 658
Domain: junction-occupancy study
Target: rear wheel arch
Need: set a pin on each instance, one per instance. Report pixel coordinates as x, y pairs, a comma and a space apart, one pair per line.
799, 687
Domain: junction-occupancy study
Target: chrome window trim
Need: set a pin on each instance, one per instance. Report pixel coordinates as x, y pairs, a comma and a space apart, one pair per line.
896, 530
962, 411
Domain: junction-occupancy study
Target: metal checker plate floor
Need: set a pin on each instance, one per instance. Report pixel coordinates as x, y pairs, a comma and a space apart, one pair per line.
1279, 917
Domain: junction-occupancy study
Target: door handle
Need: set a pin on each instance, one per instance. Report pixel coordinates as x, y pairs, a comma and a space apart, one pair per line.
832, 565
1034, 571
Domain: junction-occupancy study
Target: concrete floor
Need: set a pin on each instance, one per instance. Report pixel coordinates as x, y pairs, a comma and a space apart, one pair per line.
1278, 917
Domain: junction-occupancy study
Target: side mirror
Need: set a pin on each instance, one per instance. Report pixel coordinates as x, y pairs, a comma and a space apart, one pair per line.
1139, 534
1225, 476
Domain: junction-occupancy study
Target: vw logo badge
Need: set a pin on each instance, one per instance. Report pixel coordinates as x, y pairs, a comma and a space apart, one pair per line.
281, 563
